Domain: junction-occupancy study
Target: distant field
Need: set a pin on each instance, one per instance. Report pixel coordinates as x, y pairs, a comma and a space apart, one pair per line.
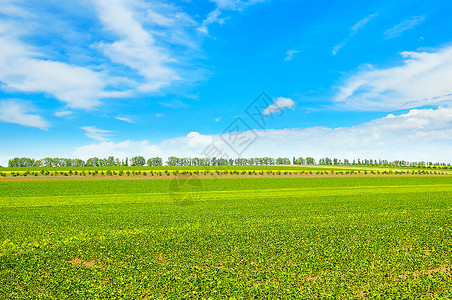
336, 237
222, 171
259, 167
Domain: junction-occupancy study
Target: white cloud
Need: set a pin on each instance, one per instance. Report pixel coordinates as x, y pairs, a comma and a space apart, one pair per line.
23, 69
403, 26
212, 17
96, 134
278, 105
17, 112
338, 47
420, 134
145, 33
146, 46
160, 115
224, 5
121, 150
173, 104
236, 4
358, 26
128, 120
63, 113
423, 79
353, 31
217, 119
290, 54
195, 139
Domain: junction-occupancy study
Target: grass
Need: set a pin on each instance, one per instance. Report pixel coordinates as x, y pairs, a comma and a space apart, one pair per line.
240, 238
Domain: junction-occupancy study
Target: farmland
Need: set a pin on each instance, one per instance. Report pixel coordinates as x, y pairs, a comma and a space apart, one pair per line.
345, 237
217, 171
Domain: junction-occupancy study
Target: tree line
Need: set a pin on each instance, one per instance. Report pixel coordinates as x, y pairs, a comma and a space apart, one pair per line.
173, 161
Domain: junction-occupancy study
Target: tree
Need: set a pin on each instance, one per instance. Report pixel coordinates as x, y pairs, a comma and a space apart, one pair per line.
137, 161
154, 161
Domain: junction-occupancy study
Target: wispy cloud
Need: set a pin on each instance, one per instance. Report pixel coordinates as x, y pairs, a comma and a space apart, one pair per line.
236, 4
358, 26
17, 112
403, 26
23, 68
173, 104
212, 17
134, 50
290, 54
128, 120
422, 79
160, 115
278, 105
224, 5
97, 134
353, 31
338, 47
63, 113
135, 46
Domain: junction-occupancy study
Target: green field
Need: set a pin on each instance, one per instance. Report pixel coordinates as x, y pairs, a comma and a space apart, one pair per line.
337, 237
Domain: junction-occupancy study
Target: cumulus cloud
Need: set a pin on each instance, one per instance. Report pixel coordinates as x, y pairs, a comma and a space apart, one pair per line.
403, 26
17, 112
96, 134
422, 79
122, 149
278, 105
420, 134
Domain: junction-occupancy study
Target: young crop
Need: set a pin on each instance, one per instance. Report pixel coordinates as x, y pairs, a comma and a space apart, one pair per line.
279, 237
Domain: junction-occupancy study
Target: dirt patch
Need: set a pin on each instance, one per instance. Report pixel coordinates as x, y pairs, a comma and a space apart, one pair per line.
428, 272
311, 278
161, 260
77, 261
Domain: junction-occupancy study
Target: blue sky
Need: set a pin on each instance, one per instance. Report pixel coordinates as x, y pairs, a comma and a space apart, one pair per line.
369, 79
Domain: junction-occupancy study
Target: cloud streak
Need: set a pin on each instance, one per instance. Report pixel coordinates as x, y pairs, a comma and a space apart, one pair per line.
353, 31
128, 120
408, 24
290, 54
224, 5
96, 134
